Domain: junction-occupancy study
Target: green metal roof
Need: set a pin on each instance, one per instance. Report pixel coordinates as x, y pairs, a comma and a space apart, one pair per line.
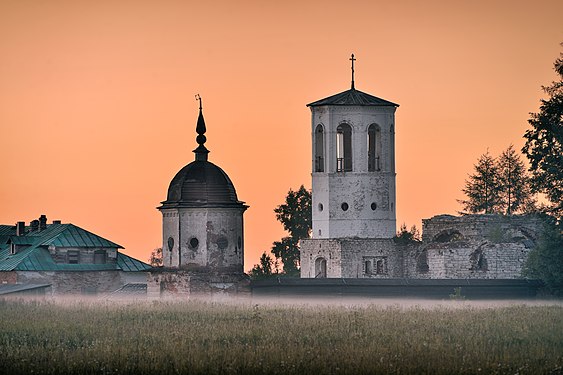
36, 256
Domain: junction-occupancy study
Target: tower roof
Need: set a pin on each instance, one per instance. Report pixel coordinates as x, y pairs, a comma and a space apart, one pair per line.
353, 97
201, 183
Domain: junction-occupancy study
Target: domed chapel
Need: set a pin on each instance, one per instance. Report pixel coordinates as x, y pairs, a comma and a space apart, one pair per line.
202, 227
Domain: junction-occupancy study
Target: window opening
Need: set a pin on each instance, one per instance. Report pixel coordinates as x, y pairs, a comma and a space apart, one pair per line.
343, 148
319, 149
320, 268
374, 148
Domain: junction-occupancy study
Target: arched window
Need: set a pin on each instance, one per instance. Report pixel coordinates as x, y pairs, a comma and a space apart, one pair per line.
374, 148
319, 149
320, 268
343, 148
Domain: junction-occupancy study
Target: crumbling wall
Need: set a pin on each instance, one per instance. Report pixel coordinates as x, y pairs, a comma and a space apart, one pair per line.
184, 284
75, 282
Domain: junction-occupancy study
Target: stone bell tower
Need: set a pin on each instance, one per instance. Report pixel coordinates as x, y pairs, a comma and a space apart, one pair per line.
353, 169
353, 172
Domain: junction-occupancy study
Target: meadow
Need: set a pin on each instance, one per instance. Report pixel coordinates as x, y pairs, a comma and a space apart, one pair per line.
195, 337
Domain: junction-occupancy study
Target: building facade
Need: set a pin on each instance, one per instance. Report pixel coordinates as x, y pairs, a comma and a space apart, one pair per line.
69, 259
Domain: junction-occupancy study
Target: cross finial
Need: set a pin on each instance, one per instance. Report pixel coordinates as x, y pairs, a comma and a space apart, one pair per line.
197, 97
352, 59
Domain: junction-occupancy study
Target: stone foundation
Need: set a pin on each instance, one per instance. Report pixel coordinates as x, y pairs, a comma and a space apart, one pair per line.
185, 284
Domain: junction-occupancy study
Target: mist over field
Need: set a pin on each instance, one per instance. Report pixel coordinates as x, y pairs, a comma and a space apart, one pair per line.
271, 336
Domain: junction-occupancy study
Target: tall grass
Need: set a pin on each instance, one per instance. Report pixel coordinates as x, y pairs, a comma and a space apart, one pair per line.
212, 338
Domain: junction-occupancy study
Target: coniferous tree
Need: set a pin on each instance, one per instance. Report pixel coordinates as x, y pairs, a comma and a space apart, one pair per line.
482, 188
515, 192
544, 144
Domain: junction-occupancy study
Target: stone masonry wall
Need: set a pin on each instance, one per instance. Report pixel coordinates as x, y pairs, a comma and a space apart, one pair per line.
361, 257
75, 282
466, 247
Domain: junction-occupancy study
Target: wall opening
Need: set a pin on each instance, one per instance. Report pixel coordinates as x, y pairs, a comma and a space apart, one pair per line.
100, 257
343, 148
320, 268
374, 148
319, 149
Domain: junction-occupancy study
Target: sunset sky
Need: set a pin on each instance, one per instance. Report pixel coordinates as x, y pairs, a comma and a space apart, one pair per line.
97, 108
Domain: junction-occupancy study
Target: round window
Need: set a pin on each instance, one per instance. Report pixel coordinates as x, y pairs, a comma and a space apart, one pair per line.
373, 206
194, 243
170, 243
320, 207
344, 206
222, 242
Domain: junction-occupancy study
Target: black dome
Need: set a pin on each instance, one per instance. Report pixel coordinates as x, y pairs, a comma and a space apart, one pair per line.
201, 183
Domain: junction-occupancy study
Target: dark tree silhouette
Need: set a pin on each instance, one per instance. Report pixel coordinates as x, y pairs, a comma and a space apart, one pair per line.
515, 192
296, 217
545, 261
544, 143
482, 188
263, 269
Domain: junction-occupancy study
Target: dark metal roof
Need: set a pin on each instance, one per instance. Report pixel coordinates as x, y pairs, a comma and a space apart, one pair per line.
352, 97
201, 183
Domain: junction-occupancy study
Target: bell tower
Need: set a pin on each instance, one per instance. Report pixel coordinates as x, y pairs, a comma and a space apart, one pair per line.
353, 168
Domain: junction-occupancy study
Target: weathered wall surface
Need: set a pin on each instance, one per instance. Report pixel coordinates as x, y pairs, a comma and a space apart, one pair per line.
360, 189
205, 237
183, 284
8, 277
493, 228
313, 251
371, 258
77, 282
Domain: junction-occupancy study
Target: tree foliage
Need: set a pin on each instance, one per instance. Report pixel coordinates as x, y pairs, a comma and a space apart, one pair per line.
545, 261
499, 185
405, 236
295, 214
264, 269
296, 217
482, 188
155, 259
514, 183
544, 143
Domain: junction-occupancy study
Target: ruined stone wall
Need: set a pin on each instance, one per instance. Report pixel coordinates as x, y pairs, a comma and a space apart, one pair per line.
494, 228
467, 247
313, 251
75, 282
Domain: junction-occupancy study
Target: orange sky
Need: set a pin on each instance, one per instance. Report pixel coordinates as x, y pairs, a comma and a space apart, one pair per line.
97, 108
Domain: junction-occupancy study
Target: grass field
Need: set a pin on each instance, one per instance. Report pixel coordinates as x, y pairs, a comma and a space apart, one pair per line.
212, 338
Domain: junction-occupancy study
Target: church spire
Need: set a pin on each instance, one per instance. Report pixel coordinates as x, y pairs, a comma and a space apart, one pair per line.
201, 151
352, 59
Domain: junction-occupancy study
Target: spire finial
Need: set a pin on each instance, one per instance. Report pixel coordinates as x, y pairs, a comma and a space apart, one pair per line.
201, 151
353, 59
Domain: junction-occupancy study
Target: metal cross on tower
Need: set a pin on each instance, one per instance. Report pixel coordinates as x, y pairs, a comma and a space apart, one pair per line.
353, 59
